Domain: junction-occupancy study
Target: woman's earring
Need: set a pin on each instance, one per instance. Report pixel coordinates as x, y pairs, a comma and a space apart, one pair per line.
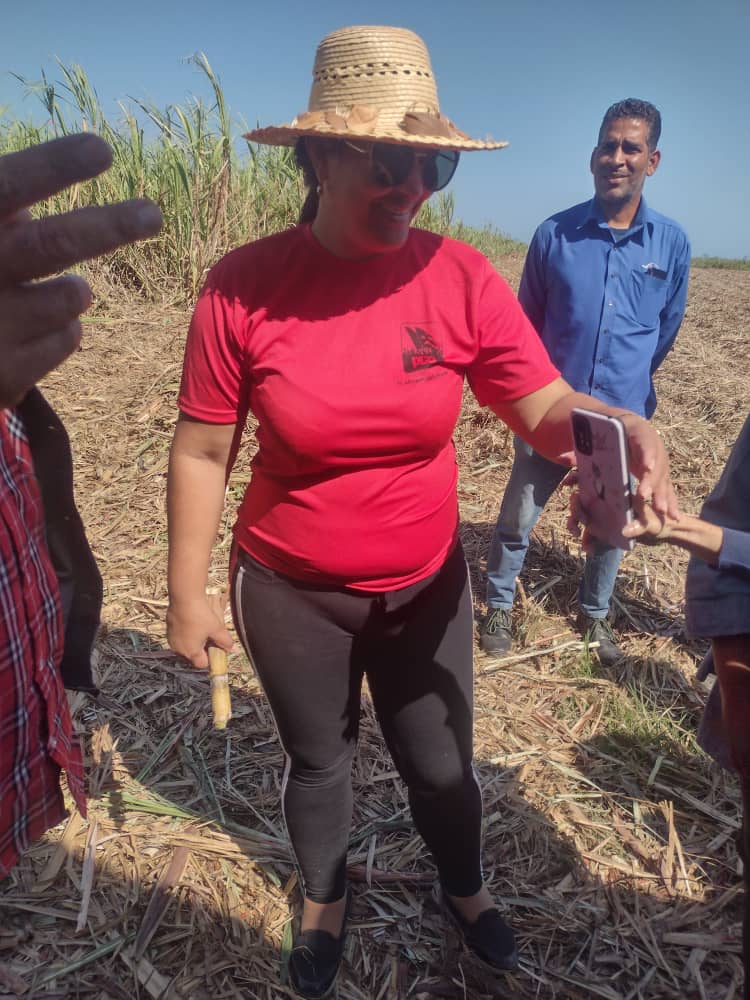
318, 190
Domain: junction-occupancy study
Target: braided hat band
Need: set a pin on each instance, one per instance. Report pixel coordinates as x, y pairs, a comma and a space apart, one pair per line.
373, 83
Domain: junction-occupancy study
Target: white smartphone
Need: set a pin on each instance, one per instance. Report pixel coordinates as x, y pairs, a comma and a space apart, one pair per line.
603, 475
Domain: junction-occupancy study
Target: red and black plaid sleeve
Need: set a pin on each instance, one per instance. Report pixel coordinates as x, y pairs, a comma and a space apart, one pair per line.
36, 732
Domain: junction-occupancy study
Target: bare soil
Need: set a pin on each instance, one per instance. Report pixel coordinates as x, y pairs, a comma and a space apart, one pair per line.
609, 836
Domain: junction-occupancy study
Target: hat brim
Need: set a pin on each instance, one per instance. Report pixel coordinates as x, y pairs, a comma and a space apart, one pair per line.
287, 135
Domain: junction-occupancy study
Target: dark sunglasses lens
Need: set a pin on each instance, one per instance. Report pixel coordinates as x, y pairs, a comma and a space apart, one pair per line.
438, 168
391, 165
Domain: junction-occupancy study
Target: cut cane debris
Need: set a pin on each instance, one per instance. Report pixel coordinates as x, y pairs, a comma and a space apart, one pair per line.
87, 877
573, 759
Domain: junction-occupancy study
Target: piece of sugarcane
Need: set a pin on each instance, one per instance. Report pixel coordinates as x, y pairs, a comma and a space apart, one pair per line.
221, 702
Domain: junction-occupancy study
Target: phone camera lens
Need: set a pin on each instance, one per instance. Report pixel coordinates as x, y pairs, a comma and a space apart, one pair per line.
582, 434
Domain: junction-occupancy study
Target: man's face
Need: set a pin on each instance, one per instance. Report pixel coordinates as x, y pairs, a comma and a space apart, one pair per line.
622, 161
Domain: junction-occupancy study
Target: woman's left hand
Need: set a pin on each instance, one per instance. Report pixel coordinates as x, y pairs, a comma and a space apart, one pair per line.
649, 463
542, 418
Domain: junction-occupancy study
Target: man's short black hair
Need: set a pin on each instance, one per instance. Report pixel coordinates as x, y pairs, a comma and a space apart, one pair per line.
631, 107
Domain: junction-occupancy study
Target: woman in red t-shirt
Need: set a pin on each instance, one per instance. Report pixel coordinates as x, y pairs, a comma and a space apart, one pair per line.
349, 338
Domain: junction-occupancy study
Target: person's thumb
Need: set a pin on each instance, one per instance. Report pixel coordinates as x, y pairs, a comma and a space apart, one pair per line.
221, 637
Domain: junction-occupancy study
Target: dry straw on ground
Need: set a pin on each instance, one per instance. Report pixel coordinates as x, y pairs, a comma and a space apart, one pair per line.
609, 838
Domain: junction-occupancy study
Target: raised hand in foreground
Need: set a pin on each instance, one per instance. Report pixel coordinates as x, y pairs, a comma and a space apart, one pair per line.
39, 320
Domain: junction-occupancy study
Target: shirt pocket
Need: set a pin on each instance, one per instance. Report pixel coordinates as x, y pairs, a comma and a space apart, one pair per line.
649, 297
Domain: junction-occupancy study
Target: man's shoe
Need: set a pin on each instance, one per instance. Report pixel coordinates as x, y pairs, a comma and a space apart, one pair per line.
316, 958
599, 630
489, 937
496, 637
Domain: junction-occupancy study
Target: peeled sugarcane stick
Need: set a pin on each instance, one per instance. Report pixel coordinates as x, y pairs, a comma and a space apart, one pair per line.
220, 699
221, 702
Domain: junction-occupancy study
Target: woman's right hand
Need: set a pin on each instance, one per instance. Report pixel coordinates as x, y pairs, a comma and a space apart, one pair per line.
191, 626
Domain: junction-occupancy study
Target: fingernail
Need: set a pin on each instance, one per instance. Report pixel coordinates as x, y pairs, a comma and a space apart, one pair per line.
147, 217
83, 289
94, 154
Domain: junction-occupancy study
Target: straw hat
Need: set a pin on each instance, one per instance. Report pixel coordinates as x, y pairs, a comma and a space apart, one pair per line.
373, 83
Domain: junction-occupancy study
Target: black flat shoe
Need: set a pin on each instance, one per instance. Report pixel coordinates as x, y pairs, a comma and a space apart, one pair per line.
316, 958
489, 937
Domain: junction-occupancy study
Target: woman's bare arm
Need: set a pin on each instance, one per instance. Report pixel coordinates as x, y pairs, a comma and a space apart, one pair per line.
195, 500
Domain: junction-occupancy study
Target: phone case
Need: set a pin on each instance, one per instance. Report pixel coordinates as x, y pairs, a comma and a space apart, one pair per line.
603, 475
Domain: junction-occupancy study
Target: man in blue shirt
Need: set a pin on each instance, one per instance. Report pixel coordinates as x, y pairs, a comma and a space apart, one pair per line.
605, 284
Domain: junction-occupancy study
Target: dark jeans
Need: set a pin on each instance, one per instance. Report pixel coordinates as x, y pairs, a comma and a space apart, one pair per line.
533, 480
311, 646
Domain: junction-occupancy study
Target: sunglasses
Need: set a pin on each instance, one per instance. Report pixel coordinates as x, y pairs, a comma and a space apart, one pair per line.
390, 165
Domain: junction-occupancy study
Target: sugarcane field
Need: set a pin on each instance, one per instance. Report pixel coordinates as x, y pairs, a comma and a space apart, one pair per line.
609, 836
611, 842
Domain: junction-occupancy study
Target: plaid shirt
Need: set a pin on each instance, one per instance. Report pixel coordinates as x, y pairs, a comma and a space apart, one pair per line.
36, 732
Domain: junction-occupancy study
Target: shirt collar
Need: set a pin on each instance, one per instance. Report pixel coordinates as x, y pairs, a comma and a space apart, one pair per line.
593, 216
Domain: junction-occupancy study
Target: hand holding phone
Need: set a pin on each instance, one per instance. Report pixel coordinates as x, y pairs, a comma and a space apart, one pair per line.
603, 477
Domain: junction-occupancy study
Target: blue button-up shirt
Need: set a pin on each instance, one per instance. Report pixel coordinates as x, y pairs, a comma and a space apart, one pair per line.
608, 312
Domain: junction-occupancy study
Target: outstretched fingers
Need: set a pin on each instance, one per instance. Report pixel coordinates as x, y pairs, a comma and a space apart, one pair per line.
38, 172
37, 248
39, 328
39, 324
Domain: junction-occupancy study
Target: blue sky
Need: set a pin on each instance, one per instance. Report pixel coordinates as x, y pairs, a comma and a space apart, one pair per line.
539, 73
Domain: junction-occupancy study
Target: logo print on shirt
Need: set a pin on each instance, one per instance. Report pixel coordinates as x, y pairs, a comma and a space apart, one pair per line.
419, 349
654, 270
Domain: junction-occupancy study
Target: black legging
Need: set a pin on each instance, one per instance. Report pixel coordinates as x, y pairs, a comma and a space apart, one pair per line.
311, 646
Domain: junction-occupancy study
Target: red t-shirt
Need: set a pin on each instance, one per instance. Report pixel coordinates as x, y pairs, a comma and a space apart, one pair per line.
354, 370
